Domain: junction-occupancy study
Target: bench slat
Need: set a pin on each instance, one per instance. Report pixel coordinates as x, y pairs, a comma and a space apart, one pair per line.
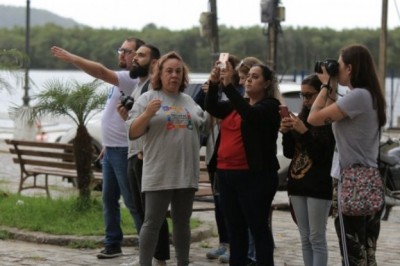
54, 145
45, 158
60, 164
42, 153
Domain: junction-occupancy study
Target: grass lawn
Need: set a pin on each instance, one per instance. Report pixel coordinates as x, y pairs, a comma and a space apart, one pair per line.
60, 216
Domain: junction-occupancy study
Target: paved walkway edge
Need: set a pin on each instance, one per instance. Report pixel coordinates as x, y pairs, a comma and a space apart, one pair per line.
204, 231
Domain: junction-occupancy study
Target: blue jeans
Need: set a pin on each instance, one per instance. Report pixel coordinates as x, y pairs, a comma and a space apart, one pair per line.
312, 217
246, 199
115, 184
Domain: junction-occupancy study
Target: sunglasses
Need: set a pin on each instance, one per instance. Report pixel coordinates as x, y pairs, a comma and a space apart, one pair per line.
307, 96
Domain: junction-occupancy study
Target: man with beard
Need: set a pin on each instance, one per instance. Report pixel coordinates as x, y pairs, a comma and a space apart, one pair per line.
146, 57
115, 142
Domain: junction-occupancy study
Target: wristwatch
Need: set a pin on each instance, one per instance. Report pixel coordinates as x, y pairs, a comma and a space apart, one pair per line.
325, 86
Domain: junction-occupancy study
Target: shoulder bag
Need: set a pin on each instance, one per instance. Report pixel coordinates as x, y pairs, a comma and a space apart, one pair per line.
362, 190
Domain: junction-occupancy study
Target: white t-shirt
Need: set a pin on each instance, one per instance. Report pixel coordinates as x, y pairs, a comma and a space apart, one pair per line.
171, 145
112, 125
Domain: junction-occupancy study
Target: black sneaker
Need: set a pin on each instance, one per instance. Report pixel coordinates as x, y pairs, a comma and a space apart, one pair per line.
109, 253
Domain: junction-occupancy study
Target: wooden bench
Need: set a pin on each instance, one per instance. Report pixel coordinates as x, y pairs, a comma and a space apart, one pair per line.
44, 159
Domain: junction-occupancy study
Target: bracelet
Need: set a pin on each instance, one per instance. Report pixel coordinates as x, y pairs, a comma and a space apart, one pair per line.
325, 86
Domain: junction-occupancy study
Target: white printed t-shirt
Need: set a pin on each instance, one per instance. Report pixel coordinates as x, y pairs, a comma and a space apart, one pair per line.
171, 145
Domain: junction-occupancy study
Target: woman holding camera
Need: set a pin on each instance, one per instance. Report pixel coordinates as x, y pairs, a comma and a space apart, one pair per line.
247, 165
309, 181
357, 119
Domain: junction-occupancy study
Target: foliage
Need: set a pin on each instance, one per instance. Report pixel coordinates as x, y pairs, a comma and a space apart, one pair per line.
4, 235
298, 48
61, 217
78, 102
10, 61
57, 216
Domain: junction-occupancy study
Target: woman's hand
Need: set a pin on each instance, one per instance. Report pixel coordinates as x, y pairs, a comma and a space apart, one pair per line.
292, 123
152, 107
205, 87
227, 74
324, 76
297, 124
215, 73
286, 125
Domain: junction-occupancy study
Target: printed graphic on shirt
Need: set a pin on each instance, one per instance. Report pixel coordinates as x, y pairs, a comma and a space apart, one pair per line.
301, 163
177, 117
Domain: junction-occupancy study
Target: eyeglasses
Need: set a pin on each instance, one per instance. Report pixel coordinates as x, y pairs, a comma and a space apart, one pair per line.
124, 51
307, 96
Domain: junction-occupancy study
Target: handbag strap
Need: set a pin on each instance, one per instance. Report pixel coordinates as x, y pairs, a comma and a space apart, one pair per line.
341, 225
341, 222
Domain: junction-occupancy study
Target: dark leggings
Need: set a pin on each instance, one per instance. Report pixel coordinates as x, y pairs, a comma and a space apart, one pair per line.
246, 199
135, 166
361, 232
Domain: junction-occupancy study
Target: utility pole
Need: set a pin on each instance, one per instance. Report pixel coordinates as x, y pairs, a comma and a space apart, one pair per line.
383, 45
209, 29
272, 14
272, 34
26, 98
214, 27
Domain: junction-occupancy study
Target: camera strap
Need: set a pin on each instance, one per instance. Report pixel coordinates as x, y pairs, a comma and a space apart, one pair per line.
145, 87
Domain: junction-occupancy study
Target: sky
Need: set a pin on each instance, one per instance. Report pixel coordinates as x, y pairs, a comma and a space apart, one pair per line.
184, 14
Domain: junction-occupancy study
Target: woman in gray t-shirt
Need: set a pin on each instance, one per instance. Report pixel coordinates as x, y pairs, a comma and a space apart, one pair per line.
170, 123
357, 118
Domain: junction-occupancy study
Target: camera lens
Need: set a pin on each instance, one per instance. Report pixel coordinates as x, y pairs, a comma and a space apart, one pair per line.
331, 66
128, 103
317, 67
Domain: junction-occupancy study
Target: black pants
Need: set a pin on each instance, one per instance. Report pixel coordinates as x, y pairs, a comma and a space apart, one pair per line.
361, 232
246, 199
135, 166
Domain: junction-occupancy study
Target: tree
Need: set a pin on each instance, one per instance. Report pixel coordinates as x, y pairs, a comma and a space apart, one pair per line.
10, 61
79, 102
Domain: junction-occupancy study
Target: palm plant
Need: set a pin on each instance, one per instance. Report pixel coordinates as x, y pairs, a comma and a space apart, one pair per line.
79, 102
10, 61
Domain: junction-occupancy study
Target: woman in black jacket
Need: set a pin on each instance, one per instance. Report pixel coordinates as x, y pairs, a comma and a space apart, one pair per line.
247, 165
309, 179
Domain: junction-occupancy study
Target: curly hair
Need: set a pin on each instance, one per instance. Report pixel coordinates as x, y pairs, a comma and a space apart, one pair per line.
157, 71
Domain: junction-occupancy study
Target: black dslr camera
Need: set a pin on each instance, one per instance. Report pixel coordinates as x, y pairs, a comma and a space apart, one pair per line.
126, 100
331, 66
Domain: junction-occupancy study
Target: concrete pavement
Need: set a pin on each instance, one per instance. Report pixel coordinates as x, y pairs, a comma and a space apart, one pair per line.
287, 252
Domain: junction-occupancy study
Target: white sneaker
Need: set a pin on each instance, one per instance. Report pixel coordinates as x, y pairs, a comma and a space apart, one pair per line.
157, 262
135, 262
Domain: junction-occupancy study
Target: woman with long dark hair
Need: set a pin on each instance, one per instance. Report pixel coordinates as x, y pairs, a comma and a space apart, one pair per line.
309, 181
357, 118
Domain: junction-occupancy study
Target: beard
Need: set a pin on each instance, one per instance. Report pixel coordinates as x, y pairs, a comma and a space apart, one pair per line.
138, 70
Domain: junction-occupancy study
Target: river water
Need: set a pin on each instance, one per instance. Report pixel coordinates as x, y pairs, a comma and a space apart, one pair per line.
39, 77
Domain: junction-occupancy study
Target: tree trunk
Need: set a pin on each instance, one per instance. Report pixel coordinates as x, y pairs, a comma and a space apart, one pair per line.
83, 156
